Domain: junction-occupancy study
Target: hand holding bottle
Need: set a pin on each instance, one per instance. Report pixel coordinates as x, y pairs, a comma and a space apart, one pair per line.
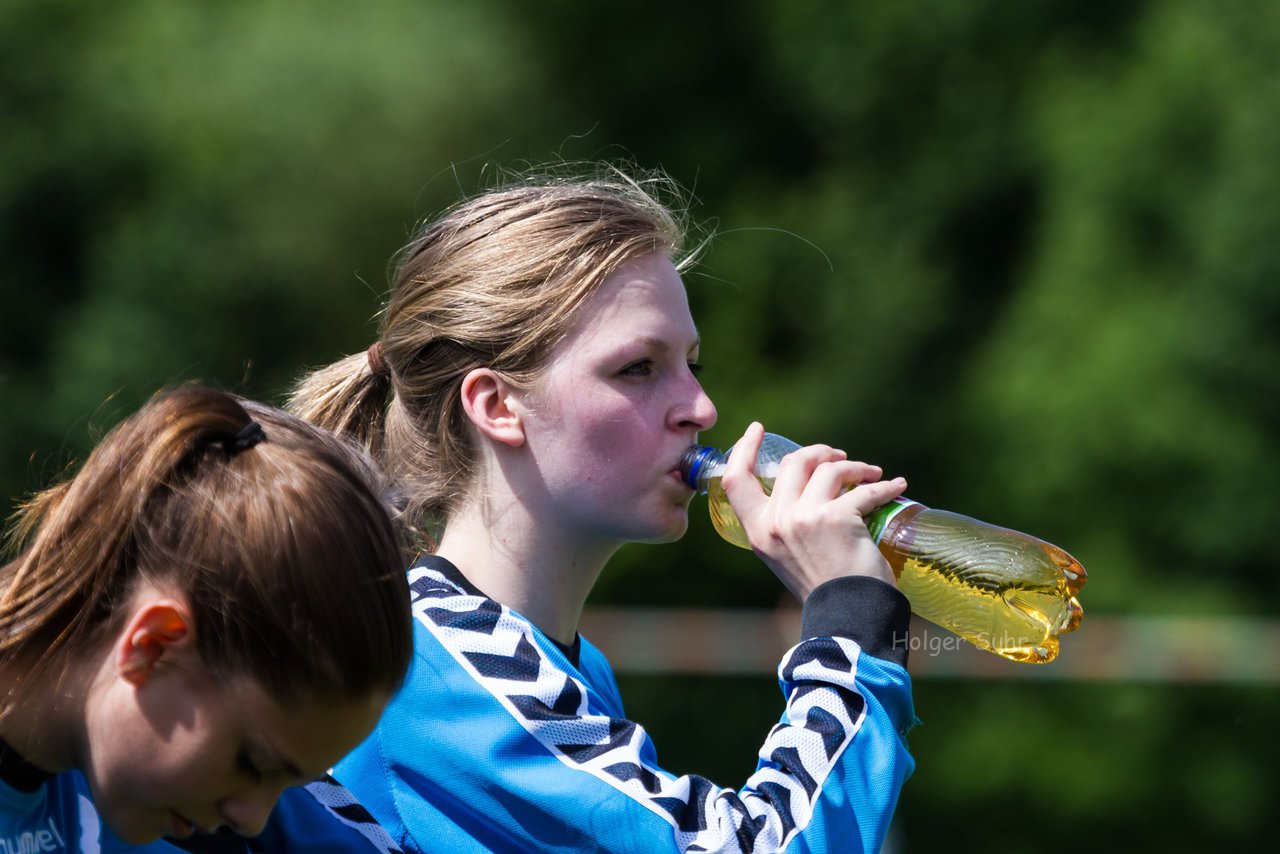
1003, 590
809, 528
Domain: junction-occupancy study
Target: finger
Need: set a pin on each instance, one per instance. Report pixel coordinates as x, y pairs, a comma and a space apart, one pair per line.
745, 494
867, 497
830, 479
742, 456
797, 468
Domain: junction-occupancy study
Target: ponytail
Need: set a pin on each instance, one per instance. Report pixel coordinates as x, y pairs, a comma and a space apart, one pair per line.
279, 535
348, 398
354, 398
84, 533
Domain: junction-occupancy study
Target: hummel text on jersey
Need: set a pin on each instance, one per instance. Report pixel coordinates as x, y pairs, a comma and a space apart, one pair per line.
33, 841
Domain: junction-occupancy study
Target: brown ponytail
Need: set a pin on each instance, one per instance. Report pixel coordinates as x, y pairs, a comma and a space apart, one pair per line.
279, 535
349, 398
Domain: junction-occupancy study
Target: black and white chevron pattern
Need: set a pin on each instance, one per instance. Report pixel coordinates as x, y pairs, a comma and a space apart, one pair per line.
824, 711
343, 805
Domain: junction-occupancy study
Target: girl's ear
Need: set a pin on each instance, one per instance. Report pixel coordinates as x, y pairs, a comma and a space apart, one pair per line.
491, 404
160, 630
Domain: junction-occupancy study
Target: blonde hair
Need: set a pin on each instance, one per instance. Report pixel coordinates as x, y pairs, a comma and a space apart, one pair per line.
280, 536
495, 282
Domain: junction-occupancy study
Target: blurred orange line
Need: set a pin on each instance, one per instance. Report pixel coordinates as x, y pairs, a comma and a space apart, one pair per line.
1144, 649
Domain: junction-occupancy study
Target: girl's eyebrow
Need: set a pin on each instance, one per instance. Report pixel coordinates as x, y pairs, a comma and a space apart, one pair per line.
661, 344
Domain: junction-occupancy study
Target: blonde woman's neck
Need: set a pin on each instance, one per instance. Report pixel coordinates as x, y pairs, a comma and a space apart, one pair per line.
528, 566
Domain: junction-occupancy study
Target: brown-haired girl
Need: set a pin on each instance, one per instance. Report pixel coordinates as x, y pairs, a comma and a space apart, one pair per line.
213, 609
534, 387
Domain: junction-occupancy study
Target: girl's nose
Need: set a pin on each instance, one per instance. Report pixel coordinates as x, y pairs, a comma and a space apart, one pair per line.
698, 412
248, 811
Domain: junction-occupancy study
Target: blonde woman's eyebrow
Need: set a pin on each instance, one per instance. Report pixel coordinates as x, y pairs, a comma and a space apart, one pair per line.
663, 345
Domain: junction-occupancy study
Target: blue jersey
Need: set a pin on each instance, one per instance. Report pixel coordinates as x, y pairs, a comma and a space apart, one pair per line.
56, 815
502, 740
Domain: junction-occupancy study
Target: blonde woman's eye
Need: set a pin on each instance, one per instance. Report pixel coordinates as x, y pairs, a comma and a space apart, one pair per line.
695, 368
642, 368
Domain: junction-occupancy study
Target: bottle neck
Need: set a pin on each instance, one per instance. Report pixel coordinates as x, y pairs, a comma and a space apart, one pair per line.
878, 520
697, 463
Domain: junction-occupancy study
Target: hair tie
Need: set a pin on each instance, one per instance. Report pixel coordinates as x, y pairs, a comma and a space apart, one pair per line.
249, 435
377, 364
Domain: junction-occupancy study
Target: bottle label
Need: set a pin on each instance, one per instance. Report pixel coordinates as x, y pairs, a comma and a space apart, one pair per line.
877, 520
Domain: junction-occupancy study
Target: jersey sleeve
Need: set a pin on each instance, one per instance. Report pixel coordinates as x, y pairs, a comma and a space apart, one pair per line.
322, 818
499, 743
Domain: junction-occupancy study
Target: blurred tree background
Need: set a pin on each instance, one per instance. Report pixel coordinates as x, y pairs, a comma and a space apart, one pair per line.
1022, 253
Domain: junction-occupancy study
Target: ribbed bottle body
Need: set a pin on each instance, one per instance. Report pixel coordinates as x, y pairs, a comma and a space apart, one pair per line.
1001, 590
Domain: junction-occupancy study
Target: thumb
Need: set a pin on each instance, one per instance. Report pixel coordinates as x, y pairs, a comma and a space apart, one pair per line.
745, 494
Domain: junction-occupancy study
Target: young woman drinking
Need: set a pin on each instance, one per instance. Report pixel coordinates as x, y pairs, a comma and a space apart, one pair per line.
533, 388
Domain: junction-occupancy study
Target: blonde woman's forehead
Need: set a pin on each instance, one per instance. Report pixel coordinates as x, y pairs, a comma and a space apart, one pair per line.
644, 300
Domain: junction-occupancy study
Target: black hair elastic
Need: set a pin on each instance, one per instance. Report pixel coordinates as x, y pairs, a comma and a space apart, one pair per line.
249, 435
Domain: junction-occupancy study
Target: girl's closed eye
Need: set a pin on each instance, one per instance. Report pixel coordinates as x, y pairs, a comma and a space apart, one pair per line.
695, 368
246, 766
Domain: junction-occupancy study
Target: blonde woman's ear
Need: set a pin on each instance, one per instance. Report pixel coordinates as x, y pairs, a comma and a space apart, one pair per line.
158, 631
491, 404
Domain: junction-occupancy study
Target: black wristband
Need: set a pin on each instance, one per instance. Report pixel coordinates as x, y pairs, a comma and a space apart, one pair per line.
869, 611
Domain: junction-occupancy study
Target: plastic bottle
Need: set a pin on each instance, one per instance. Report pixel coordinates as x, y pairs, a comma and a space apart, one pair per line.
1002, 590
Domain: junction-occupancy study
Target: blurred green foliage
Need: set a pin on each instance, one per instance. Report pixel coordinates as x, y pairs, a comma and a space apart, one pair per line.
1022, 253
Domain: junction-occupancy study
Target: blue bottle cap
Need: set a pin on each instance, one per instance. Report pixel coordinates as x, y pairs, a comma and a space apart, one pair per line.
692, 462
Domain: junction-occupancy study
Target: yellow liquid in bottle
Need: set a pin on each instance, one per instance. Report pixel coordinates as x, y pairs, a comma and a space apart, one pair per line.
1001, 590
723, 519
